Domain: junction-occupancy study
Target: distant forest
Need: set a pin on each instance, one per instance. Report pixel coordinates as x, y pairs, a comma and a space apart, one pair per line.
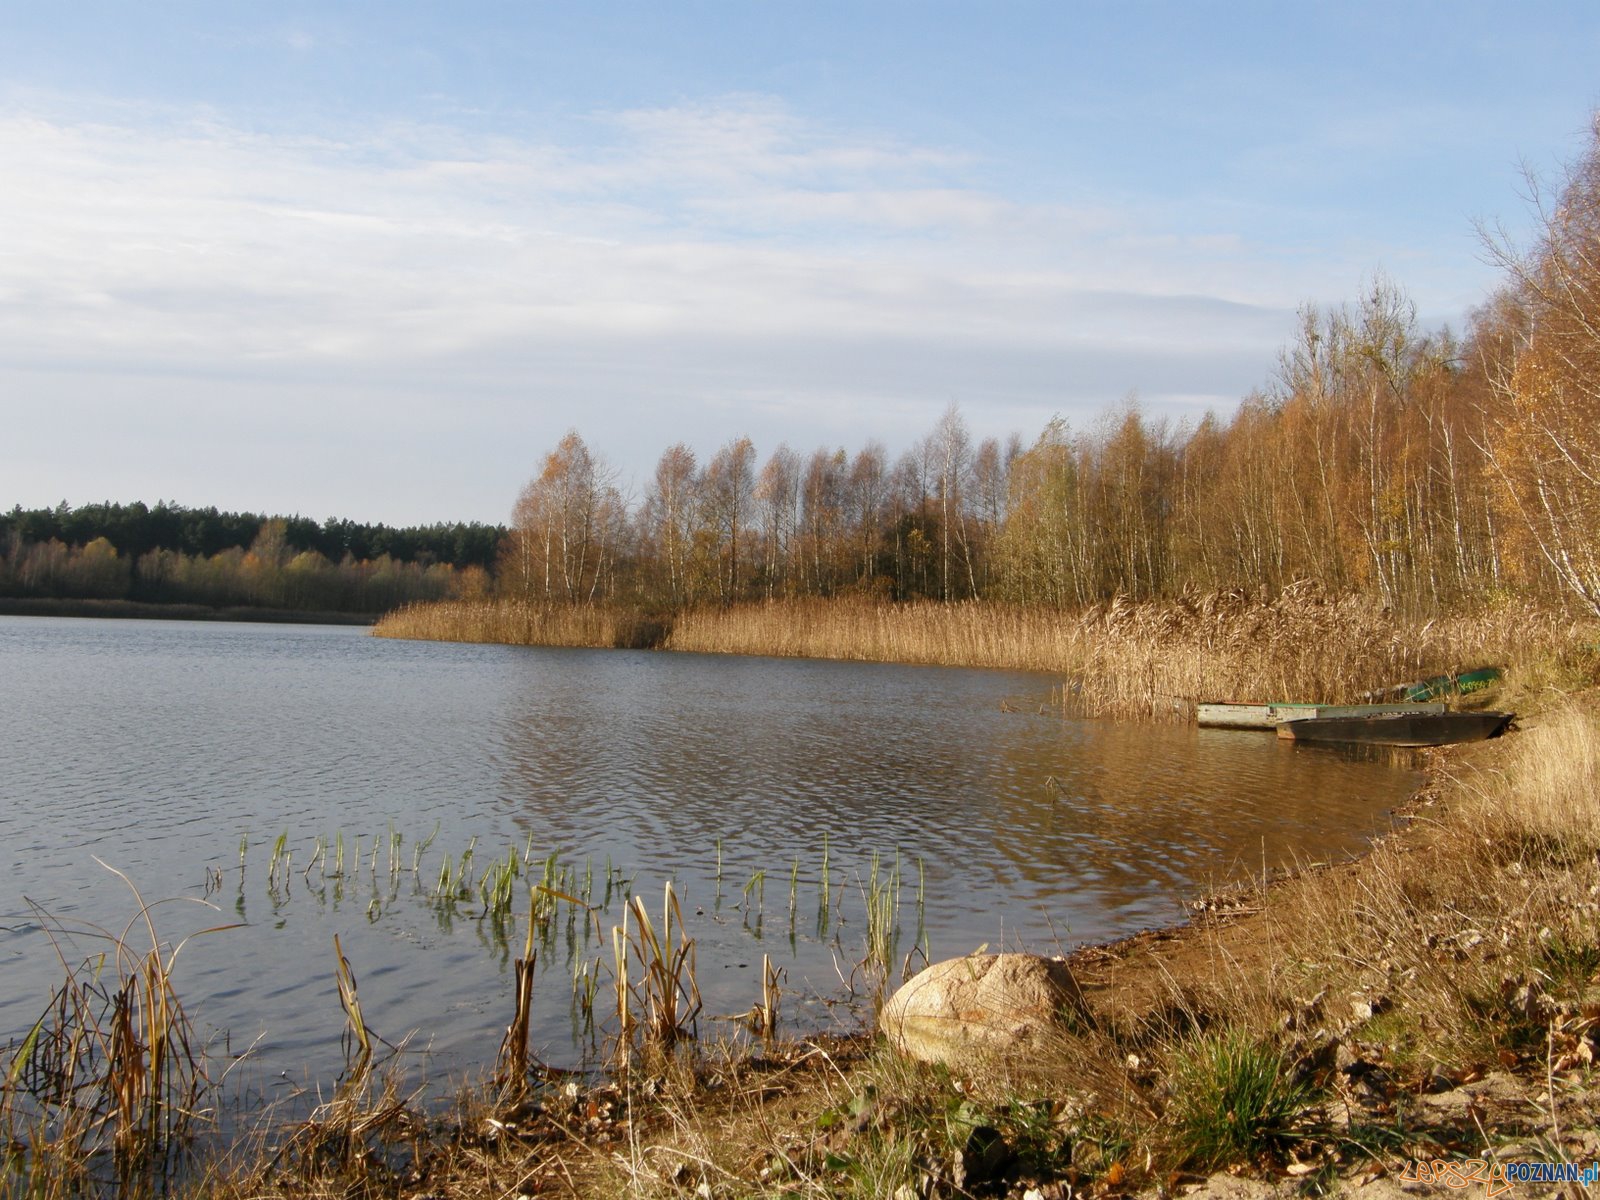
170, 554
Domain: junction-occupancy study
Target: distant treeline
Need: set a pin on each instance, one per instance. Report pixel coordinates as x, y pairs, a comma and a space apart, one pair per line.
1431, 472
172, 555
135, 529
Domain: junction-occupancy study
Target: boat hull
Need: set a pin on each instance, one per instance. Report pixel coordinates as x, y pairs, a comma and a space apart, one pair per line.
1273, 716
1399, 729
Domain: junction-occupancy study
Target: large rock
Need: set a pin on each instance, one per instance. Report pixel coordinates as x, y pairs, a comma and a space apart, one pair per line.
984, 1006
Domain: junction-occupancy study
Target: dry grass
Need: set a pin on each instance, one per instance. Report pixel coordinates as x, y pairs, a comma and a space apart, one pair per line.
1547, 797
1121, 659
1466, 926
846, 1119
516, 624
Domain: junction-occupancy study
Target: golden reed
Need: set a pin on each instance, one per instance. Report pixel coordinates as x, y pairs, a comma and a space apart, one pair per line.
1119, 658
505, 622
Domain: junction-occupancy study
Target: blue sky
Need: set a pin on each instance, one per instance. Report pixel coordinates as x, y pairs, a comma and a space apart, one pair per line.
373, 260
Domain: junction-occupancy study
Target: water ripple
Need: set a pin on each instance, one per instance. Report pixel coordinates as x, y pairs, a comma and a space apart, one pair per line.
159, 746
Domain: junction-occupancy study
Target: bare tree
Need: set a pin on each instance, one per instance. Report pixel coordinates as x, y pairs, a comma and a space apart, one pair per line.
868, 489
951, 445
778, 494
729, 493
566, 520
669, 520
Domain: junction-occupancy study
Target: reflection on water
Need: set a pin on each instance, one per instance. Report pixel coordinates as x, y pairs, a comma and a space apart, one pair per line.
158, 746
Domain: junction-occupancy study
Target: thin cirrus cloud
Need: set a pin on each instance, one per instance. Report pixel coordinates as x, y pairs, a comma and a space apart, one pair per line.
689, 273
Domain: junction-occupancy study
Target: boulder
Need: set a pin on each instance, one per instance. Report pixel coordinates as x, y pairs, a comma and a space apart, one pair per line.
984, 1006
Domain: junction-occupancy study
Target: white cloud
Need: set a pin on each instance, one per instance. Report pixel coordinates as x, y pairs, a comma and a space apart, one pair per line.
694, 263
259, 244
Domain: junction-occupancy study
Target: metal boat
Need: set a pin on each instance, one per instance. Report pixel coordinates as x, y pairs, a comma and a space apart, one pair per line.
1399, 729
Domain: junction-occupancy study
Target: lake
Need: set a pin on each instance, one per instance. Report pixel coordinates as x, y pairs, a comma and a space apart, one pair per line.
181, 753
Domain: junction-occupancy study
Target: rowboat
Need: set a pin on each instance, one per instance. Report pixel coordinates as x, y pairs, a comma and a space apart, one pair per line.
1272, 716
1399, 729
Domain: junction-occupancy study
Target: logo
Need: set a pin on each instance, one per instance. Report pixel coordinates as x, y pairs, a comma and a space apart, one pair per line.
1495, 1178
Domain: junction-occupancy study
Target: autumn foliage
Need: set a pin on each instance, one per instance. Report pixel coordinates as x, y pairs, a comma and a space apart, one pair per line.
1542, 357
1425, 471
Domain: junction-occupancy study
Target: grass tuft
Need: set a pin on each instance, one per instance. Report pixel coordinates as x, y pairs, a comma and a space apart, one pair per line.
1234, 1100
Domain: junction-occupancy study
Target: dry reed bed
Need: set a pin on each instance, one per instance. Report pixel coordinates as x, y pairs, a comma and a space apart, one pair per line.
1122, 659
506, 623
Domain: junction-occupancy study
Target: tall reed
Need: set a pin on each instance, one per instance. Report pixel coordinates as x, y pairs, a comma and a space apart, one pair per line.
357, 1037
881, 898
519, 624
512, 1071
1118, 658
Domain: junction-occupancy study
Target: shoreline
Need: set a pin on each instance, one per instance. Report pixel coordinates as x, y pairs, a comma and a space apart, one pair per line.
141, 610
828, 1115
1141, 662
1176, 981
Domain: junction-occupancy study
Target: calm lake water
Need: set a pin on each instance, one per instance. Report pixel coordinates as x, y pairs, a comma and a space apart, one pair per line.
160, 747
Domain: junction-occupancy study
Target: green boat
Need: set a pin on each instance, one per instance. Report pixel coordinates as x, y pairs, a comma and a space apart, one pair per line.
1450, 685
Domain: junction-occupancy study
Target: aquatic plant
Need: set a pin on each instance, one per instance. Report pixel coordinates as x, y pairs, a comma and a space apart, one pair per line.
666, 991
511, 1073
357, 1039
111, 1069
764, 1015
882, 902
497, 887
758, 886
